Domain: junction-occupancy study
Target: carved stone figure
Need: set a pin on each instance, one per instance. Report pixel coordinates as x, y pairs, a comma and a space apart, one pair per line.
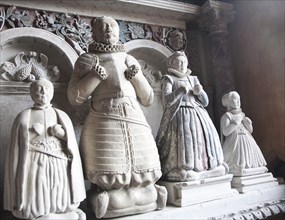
43, 174
187, 140
241, 152
119, 152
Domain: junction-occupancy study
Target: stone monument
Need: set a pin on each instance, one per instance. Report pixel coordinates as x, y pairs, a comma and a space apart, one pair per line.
119, 153
188, 143
43, 171
241, 152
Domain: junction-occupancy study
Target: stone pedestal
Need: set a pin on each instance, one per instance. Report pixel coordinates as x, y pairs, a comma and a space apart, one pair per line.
254, 182
198, 191
257, 204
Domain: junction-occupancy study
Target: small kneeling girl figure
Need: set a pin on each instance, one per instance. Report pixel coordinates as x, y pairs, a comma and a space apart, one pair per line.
241, 152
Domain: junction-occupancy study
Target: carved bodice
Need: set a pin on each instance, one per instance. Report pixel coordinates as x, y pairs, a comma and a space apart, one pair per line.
116, 85
241, 129
187, 81
40, 137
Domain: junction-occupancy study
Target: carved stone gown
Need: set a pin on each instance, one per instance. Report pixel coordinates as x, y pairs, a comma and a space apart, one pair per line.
240, 149
43, 173
187, 139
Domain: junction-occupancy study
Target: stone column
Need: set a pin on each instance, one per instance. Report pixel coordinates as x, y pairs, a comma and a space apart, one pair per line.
214, 19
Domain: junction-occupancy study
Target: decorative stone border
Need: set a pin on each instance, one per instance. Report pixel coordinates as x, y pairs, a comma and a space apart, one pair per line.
77, 31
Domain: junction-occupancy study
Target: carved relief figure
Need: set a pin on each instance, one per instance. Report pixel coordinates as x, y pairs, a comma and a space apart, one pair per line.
175, 40
187, 140
119, 152
241, 152
43, 174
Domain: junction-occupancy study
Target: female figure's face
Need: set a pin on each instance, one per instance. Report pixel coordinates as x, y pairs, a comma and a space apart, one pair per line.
107, 31
235, 101
42, 94
180, 64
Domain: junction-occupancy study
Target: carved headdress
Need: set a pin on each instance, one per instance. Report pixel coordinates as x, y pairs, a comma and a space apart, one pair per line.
174, 56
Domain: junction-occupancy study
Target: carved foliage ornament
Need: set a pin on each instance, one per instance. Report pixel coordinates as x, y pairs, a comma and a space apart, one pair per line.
28, 67
69, 27
172, 38
17, 18
77, 32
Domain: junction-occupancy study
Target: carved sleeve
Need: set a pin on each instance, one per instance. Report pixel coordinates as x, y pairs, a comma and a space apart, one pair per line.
87, 75
202, 97
134, 74
170, 97
248, 124
227, 125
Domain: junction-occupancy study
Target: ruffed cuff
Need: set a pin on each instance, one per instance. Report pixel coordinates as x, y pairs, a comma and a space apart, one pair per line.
131, 72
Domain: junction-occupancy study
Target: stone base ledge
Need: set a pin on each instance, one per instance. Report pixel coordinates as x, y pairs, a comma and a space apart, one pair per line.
198, 191
263, 202
254, 182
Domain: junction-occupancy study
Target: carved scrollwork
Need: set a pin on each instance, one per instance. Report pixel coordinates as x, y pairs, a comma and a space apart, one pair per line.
17, 18
77, 32
172, 38
28, 67
261, 211
69, 27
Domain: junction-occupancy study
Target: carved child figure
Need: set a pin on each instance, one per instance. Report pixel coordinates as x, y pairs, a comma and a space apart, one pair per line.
241, 152
187, 140
120, 157
43, 174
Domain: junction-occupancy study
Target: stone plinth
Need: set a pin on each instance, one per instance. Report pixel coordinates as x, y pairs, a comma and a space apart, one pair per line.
257, 204
254, 182
198, 191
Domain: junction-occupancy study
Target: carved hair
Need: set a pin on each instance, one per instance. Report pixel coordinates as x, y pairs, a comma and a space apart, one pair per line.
174, 56
41, 81
100, 20
226, 99
96, 24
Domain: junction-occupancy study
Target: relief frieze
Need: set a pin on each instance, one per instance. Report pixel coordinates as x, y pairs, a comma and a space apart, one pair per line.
76, 30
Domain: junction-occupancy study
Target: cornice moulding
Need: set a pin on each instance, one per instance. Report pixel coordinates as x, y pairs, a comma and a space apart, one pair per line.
157, 12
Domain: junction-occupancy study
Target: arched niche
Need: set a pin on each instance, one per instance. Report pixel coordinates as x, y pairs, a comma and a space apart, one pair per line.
59, 53
153, 59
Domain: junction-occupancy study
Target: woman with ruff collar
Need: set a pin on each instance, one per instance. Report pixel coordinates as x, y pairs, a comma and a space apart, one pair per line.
187, 140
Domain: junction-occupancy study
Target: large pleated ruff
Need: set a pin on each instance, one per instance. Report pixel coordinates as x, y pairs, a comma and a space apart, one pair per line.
47, 187
118, 148
241, 151
192, 142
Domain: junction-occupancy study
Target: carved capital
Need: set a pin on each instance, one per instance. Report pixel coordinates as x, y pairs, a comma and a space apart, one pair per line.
216, 16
